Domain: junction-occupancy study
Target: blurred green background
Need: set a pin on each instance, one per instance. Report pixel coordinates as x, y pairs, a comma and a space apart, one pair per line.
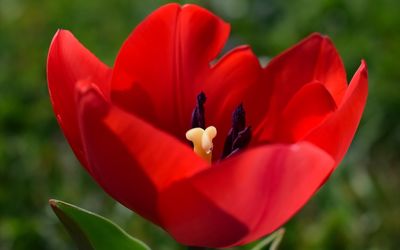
359, 208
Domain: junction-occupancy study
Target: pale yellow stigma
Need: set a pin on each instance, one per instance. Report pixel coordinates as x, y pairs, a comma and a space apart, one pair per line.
202, 141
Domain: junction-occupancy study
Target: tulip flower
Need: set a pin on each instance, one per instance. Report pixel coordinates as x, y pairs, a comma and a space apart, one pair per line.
217, 153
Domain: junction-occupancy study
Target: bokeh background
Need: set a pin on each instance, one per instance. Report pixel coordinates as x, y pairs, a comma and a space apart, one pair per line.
359, 208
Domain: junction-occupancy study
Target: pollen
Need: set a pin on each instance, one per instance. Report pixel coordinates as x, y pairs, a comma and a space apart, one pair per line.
202, 141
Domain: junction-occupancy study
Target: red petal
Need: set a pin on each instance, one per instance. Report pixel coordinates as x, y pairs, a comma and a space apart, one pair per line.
162, 63
233, 80
336, 133
132, 159
68, 63
244, 197
308, 108
313, 59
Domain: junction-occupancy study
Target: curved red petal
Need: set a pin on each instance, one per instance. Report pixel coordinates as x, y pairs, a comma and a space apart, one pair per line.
313, 59
337, 132
69, 62
244, 197
235, 79
133, 160
308, 108
162, 63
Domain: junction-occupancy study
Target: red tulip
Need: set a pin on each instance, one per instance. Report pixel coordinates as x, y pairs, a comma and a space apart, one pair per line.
127, 124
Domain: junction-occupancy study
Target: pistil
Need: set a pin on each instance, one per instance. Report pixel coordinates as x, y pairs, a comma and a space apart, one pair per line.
202, 141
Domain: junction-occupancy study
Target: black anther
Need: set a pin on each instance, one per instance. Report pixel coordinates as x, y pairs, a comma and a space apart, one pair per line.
238, 120
198, 120
228, 145
239, 135
243, 139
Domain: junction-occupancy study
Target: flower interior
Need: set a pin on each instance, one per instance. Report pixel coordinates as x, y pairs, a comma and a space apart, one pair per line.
238, 138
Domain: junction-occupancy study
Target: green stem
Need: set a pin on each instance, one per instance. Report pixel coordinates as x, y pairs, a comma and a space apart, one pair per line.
274, 239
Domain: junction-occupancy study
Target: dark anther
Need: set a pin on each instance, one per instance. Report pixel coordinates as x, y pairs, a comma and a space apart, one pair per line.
238, 120
198, 120
243, 139
239, 136
228, 145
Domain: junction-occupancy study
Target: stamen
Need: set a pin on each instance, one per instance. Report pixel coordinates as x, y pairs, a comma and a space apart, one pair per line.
243, 139
238, 120
202, 141
239, 136
198, 120
228, 145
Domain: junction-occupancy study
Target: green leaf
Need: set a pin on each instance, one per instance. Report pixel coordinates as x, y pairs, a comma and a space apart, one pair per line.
93, 232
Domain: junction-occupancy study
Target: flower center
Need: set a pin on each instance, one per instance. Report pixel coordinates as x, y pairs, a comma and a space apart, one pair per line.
238, 137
